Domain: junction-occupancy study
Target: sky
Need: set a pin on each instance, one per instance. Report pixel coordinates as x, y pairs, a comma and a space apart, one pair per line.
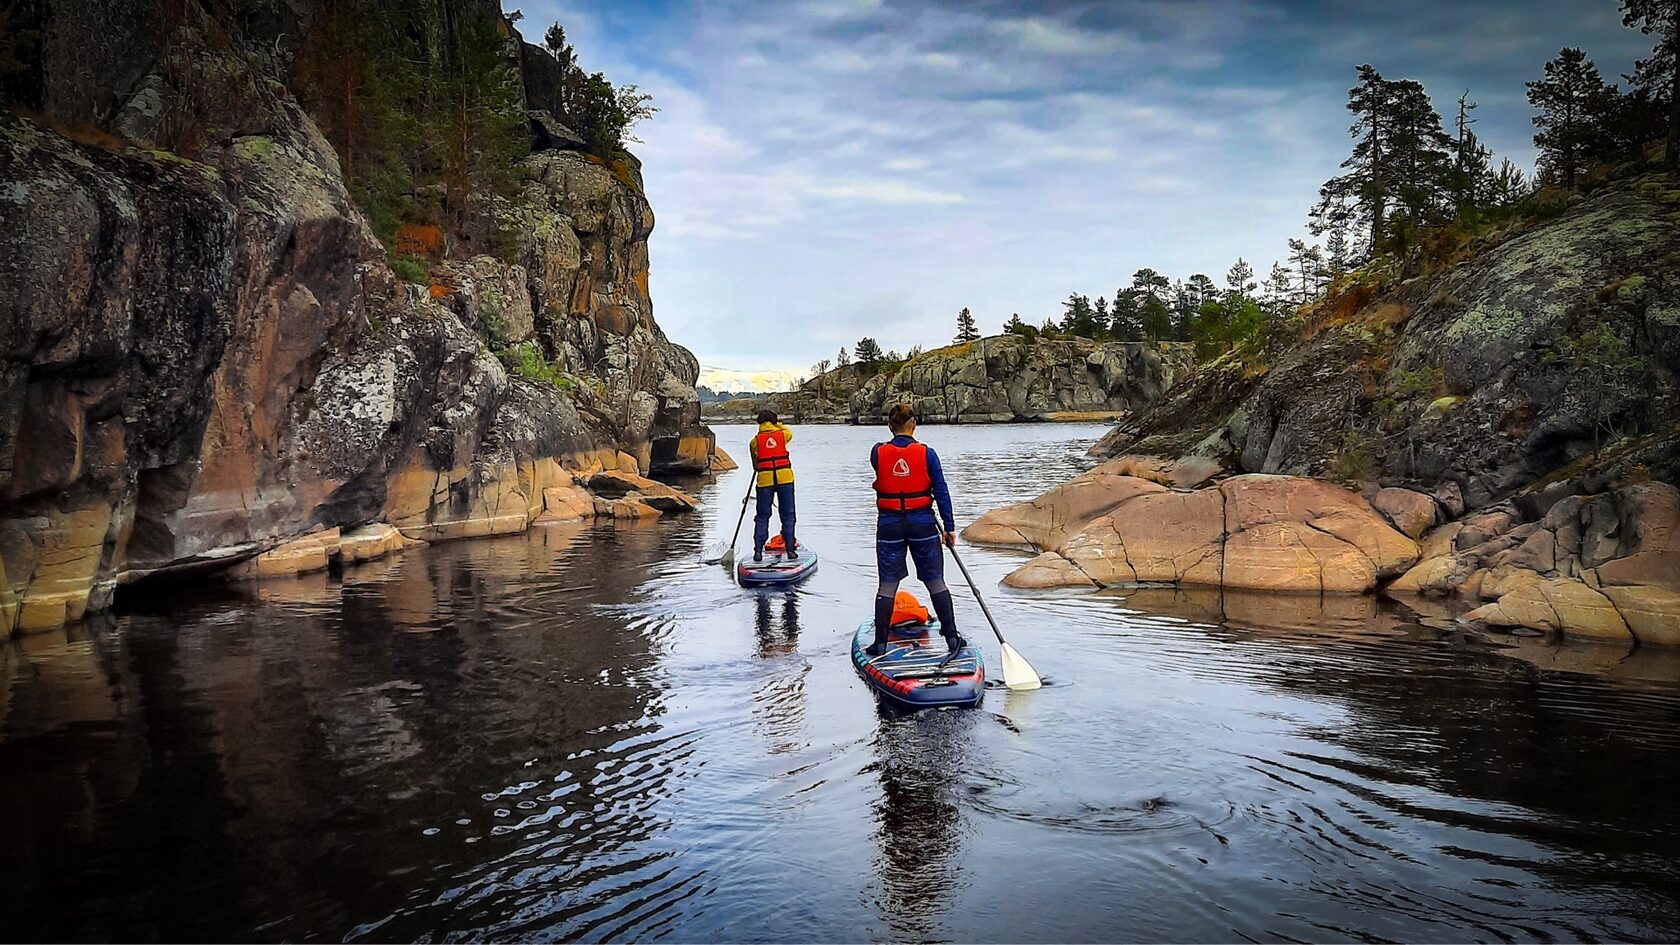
821, 170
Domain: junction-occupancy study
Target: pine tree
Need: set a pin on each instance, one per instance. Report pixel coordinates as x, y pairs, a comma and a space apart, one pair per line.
591, 105
965, 327
1239, 280
1124, 322
1337, 256
1154, 316
1571, 97
1100, 317
1309, 266
1509, 186
1077, 316
484, 125
820, 370
1401, 159
1183, 311
868, 351
1420, 155
1364, 188
843, 359
1279, 289
1659, 75
1472, 161
1210, 328
1202, 288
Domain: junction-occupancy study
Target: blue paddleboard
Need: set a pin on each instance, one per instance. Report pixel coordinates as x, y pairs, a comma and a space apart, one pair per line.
775, 569
909, 674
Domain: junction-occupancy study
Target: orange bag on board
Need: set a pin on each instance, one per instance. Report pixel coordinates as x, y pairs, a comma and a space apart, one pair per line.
907, 609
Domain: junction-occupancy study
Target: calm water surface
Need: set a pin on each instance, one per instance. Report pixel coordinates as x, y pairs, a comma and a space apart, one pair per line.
584, 733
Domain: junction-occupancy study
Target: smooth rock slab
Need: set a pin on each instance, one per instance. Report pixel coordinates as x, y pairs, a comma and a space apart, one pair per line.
312, 552
371, 542
616, 484
1559, 605
1048, 570
1262, 532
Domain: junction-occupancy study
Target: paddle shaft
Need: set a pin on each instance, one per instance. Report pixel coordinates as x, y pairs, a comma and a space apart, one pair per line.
970, 579
752, 483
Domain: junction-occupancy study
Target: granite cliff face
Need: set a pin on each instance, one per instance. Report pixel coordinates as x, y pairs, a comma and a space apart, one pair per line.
998, 379
204, 354
1465, 375
1514, 411
1006, 377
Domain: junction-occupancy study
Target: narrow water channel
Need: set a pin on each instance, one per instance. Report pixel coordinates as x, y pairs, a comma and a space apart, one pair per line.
584, 733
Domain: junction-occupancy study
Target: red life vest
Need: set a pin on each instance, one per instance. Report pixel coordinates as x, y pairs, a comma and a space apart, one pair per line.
771, 452
902, 480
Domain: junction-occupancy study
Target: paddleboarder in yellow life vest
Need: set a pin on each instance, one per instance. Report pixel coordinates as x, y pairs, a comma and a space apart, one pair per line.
775, 482
909, 484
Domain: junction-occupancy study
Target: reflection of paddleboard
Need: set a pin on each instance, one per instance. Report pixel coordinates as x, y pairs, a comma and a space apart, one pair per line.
775, 569
909, 674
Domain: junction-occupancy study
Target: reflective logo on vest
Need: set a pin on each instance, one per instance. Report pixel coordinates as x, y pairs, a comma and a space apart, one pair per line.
901, 468
770, 443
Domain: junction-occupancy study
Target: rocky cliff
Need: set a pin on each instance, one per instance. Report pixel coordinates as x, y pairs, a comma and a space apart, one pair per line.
1471, 374
205, 355
1006, 377
999, 379
1513, 407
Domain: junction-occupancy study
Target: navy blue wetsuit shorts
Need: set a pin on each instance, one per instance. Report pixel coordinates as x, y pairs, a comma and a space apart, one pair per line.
915, 533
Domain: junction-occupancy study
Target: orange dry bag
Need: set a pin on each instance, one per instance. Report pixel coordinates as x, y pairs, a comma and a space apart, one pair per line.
907, 609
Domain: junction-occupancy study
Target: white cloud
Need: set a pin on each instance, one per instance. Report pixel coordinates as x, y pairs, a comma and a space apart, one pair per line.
883, 191
1042, 34
834, 168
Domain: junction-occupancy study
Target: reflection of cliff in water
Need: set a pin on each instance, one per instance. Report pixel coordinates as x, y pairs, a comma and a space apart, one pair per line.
920, 759
1442, 711
213, 766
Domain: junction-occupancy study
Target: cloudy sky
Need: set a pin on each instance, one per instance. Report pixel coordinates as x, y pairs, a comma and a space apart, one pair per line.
829, 169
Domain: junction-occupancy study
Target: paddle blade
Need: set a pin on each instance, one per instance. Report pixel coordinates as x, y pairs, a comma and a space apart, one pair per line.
1017, 672
715, 552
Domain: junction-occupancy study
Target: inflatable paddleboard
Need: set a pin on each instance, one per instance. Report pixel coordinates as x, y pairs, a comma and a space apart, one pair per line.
909, 673
776, 569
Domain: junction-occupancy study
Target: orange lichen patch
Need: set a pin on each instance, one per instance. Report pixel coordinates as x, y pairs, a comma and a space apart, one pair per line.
1390, 313
1350, 302
642, 283
419, 239
439, 290
621, 170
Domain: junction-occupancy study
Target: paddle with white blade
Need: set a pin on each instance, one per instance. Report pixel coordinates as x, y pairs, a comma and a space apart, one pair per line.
1017, 672
718, 553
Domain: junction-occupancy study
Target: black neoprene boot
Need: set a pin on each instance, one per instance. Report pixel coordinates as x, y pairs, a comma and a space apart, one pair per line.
883, 619
948, 620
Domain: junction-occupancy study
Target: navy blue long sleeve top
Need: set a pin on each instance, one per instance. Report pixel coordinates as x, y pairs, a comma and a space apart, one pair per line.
936, 472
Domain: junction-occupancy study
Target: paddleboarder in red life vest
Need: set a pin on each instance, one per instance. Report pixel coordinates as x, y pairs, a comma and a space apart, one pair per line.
909, 484
775, 482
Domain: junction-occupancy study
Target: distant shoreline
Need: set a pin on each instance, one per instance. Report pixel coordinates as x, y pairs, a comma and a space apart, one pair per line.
1064, 416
